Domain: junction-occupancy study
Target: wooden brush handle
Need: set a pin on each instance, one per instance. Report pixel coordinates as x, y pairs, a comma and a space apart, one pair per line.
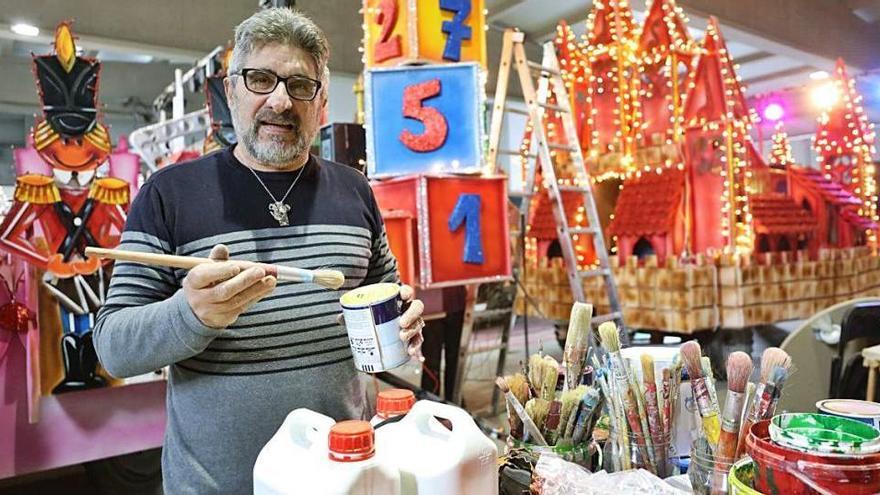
170, 260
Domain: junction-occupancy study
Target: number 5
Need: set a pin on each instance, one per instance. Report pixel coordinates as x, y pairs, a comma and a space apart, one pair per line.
436, 128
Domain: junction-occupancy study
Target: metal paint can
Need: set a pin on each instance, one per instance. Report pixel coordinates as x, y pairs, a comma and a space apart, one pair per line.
372, 315
859, 410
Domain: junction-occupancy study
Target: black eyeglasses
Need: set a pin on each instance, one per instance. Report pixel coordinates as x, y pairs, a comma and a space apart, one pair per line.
263, 82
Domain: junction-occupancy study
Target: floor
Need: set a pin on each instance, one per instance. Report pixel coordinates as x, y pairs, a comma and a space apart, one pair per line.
477, 391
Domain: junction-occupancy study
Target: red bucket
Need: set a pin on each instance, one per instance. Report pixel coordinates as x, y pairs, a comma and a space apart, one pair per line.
782, 470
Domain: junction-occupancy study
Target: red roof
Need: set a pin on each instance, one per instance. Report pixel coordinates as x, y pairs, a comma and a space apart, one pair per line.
648, 204
542, 223
853, 218
831, 191
779, 214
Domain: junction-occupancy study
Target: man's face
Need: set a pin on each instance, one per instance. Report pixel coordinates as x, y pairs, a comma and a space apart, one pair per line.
275, 129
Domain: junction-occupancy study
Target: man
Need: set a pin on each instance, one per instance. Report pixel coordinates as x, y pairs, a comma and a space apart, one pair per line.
244, 349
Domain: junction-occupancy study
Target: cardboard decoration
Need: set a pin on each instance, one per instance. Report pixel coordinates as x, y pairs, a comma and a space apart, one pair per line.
432, 31
461, 228
424, 119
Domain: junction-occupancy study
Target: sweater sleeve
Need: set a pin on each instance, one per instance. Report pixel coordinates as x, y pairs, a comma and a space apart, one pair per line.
146, 322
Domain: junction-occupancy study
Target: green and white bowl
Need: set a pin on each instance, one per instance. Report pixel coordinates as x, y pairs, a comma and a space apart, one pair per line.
824, 433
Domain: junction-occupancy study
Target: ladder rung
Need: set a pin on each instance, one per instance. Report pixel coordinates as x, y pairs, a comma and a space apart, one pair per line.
509, 152
555, 108
575, 189
488, 314
583, 230
565, 147
597, 272
600, 319
540, 68
516, 111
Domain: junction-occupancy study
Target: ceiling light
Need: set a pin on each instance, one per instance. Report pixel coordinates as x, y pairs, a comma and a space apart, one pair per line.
774, 112
25, 29
819, 75
824, 96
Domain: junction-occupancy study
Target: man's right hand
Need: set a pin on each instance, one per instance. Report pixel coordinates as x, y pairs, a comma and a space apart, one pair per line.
219, 292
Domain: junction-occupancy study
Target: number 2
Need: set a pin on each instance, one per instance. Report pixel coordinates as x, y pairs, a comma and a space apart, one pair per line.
436, 127
388, 46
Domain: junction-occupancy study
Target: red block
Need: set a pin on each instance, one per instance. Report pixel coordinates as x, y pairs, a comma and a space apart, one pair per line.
400, 228
443, 259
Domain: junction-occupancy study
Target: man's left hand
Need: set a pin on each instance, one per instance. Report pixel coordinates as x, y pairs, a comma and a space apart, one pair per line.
411, 322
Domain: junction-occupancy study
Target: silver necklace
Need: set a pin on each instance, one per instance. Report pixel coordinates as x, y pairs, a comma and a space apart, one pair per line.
278, 208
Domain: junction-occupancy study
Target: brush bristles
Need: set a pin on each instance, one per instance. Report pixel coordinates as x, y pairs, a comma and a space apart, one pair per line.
778, 376
770, 359
550, 378
691, 353
538, 409
502, 384
519, 386
648, 368
610, 337
739, 369
331, 279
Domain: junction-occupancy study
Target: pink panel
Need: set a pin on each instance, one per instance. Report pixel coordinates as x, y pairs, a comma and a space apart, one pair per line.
28, 161
74, 427
125, 165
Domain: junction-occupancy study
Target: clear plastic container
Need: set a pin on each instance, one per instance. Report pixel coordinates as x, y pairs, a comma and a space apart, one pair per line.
707, 476
634, 451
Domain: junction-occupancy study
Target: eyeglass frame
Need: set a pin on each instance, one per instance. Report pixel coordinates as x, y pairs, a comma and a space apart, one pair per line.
278, 80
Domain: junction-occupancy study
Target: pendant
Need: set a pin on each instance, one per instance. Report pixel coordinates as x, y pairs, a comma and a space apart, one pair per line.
279, 212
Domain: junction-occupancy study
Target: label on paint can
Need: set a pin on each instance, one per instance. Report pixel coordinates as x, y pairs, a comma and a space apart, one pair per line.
372, 315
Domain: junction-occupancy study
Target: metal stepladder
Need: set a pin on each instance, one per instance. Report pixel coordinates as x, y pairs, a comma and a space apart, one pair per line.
538, 102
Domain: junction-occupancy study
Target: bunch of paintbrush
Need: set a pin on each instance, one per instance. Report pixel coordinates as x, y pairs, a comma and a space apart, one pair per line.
691, 355
775, 368
625, 395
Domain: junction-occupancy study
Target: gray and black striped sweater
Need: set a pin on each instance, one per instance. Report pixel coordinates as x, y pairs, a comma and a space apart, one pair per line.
229, 390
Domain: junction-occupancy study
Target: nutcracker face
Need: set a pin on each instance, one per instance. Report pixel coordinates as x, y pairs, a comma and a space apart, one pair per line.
70, 137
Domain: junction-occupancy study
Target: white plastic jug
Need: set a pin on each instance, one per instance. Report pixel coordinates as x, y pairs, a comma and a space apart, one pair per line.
298, 459
434, 460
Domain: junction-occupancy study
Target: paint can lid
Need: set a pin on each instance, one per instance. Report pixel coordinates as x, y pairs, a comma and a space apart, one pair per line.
351, 441
394, 402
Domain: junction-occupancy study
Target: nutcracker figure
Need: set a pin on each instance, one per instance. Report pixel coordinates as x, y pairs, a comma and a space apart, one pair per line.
53, 218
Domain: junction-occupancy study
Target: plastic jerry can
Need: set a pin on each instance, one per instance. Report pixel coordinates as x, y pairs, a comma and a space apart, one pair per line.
391, 403
311, 454
436, 460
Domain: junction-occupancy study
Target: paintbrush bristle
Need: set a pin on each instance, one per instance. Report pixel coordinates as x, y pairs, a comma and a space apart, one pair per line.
648, 368
778, 376
519, 386
739, 369
610, 337
691, 353
538, 409
770, 359
330, 279
502, 384
536, 371
550, 378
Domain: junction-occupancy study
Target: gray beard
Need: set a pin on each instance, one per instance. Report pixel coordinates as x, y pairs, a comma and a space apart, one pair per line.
272, 152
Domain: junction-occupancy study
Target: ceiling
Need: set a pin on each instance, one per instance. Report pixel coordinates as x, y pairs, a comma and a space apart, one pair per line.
778, 44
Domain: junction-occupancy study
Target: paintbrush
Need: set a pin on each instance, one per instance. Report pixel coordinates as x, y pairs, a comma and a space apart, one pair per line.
709, 376
538, 409
551, 425
576, 343
519, 387
615, 415
739, 369
639, 396
690, 354
591, 404
330, 279
772, 358
530, 427
549, 378
611, 343
536, 373
570, 402
666, 402
652, 410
